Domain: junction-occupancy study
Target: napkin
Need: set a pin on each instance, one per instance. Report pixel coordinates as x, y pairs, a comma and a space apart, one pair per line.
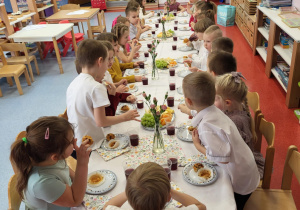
108, 155
95, 202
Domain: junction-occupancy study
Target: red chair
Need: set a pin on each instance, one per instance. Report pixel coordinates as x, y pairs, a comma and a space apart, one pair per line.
68, 38
49, 45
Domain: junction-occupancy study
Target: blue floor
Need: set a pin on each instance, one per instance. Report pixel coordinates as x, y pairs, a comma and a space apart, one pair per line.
45, 97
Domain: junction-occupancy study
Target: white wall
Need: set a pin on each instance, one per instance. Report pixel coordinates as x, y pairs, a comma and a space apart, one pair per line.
296, 3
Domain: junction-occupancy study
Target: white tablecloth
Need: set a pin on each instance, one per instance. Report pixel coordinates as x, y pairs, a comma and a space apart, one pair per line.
218, 195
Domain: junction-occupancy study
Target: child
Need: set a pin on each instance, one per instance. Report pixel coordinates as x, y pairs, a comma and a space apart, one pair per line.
135, 24
218, 138
174, 6
220, 62
200, 63
87, 98
122, 32
190, 7
148, 188
44, 178
222, 43
206, 14
231, 98
201, 6
117, 68
125, 21
142, 12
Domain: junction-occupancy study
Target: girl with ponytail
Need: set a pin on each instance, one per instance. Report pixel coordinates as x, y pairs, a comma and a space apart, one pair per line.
44, 179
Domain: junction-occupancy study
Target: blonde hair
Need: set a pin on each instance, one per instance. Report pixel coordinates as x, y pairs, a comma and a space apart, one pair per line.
228, 88
148, 187
214, 30
199, 87
123, 20
204, 6
119, 29
203, 24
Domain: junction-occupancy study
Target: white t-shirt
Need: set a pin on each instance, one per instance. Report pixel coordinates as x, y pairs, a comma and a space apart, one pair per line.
200, 59
191, 207
132, 31
142, 16
223, 143
83, 95
107, 77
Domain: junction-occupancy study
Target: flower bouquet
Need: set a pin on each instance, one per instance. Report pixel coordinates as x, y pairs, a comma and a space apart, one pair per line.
153, 54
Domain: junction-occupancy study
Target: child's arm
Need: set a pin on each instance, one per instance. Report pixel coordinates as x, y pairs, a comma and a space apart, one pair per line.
186, 199
182, 9
188, 8
197, 142
117, 201
134, 49
73, 195
103, 121
184, 109
139, 30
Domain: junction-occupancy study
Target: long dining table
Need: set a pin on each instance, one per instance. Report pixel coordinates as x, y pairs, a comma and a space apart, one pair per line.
218, 195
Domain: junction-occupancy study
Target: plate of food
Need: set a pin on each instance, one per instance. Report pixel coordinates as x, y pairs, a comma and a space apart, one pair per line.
199, 173
131, 88
181, 59
124, 107
182, 14
185, 48
136, 71
115, 142
100, 182
184, 133
164, 63
166, 117
183, 22
184, 37
169, 33
179, 90
147, 35
184, 28
184, 73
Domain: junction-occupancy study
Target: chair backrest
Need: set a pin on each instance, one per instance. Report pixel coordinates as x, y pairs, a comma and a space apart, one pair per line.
70, 6
267, 129
291, 165
14, 199
101, 19
3, 59
64, 115
16, 47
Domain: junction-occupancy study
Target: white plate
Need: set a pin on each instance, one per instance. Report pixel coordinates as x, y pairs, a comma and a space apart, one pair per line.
151, 21
184, 37
119, 111
185, 29
132, 90
145, 35
179, 90
132, 72
123, 140
190, 176
182, 14
183, 22
109, 183
163, 127
185, 48
184, 73
183, 134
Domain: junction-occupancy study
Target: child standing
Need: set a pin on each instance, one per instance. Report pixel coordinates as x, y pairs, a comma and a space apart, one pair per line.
174, 6
117, 68
231, 98
122, 33
148, 188
142, 12
218, 138
87, 98
44, 178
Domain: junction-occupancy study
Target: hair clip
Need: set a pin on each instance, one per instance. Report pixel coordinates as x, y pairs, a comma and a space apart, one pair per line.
237, 76
25, 140
47, 133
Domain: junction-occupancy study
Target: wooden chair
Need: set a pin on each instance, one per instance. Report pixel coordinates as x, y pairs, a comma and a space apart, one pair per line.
102, 25
267, 130
70, 7
253, 102
26, 59
275, 199
14, 199
14, 71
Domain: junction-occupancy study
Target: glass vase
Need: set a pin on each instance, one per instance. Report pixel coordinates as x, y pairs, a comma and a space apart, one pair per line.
158, 141
164, 35
154, 74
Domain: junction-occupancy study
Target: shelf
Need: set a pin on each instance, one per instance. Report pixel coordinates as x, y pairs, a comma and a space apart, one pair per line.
278, 79
262, 52
2, 28
273, 15
264, 32
44, 7
286, 54
22, 18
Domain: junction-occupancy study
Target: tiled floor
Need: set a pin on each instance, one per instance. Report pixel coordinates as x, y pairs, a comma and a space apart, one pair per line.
46, 96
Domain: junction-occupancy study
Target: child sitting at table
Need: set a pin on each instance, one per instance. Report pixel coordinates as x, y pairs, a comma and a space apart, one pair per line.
220, 62
200, 63
142, 11
148, 188
190, 6
126, 22
206, 14
217, 137
44, 179
201, 7
122, 32
174, 6
222, 43
231, 98
117, 68
87, 98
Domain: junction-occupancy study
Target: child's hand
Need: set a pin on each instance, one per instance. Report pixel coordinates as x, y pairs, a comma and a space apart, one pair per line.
138, 78
122, 82
121, 89
195, 137
136, 48
131, 99
136, 64
138, 26
131, 115
82, 152
193, 69
189, 61
190, 55
136, 55
192, 25
111, 88
147, 27
184, 109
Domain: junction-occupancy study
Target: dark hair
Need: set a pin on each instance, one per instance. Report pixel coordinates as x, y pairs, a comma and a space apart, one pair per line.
130, 9
221, 62
107, 37
222, 43
89, 51
38, 149
199, 87
134, 3
119, 29
121, 19
207, 14
204, 6
203, 24
140, 2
